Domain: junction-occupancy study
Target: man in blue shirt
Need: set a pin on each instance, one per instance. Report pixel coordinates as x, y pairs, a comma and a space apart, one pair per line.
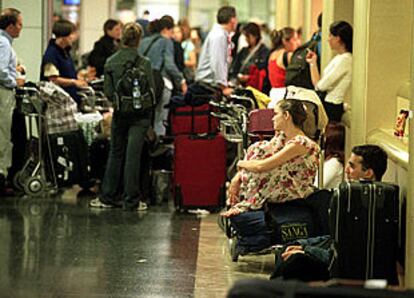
11, 23
214, 57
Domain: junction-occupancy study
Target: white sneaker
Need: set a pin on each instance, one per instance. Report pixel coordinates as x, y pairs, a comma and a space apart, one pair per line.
142, 206
96, 203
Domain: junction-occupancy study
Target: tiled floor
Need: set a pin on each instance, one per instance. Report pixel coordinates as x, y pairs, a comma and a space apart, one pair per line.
58, 247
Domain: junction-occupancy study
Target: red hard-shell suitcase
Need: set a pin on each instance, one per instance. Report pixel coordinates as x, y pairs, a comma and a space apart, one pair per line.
193, 119
199, 171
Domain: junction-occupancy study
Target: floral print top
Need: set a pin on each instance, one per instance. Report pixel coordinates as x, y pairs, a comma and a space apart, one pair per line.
292, 180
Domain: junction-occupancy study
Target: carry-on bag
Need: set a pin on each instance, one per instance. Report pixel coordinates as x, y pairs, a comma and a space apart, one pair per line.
193, 119
70, 158
261, 122
364, 224
199, 171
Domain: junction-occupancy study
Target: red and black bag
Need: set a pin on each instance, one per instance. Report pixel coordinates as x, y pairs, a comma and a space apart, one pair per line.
193, 119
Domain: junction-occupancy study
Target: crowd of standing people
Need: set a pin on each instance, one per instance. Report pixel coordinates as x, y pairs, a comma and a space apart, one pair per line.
175, 55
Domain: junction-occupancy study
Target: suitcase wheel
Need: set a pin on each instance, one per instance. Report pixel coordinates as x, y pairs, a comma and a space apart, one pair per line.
178, 198
17, 183
233, 250
34, 186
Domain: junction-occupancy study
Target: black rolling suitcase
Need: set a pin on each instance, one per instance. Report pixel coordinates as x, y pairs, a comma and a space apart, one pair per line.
364, 223
70, 159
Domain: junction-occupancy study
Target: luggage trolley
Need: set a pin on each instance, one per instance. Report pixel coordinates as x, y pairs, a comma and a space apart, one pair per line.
32, 178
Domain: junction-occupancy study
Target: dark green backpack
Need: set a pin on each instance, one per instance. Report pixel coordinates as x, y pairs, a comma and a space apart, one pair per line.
124, 88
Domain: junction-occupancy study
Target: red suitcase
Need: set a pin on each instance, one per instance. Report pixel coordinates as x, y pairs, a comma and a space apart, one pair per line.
183, 119
199, 171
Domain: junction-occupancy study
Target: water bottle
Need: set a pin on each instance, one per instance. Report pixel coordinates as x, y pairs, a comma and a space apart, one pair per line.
136, 95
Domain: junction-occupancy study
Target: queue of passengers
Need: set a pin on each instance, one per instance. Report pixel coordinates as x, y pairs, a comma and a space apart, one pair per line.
213, 60
279, 170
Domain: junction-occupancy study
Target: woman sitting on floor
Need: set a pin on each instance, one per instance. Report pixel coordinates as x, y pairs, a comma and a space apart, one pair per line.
279, 170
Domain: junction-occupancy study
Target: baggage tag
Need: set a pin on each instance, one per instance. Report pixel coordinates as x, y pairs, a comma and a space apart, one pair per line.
60, 141
62, 161
375, 284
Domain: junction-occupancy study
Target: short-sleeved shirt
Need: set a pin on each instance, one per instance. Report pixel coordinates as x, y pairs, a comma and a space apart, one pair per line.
188, 47
292, 180
58, 62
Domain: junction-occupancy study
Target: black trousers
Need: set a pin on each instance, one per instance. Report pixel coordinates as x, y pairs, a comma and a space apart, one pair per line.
334, 111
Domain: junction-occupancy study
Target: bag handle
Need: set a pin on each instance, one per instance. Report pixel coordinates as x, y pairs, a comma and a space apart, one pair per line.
192, 131
149, 48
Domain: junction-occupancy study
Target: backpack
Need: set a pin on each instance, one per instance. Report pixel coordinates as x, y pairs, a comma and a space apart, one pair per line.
297, 72
158, 79
133, 72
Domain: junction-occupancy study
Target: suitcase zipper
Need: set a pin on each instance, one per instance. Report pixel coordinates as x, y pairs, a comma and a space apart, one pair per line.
368, 252
337, 196
348, 185
373, 218
371, 231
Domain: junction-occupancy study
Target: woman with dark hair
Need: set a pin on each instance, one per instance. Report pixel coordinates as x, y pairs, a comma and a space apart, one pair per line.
285, 42
57, 64
159, 48
337, 75
333, 167
279, 170
105, 46
255, 54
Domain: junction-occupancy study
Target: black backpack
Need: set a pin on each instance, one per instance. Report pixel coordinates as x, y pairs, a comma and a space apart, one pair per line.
123, 95
297, 72
158, 79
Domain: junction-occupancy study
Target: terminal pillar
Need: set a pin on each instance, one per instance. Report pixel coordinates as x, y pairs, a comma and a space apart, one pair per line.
93, 14
35, 34
409, 246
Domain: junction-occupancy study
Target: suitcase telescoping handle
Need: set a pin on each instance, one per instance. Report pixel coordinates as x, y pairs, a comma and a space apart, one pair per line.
192, 132
202, 136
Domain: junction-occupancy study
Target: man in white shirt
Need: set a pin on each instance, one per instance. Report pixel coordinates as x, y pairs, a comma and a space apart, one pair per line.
214, 57
11, 23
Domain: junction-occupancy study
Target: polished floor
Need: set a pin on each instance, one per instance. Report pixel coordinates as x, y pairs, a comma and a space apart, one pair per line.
59, 247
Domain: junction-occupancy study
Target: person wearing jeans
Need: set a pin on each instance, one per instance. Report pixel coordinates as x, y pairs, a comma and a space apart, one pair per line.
129, 128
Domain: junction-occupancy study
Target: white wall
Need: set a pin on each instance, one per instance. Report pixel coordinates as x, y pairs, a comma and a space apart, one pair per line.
29, 46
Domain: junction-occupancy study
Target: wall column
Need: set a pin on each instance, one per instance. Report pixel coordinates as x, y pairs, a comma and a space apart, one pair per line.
282, 14
296, 14
34, 34
93, 14
360, 73
409, 246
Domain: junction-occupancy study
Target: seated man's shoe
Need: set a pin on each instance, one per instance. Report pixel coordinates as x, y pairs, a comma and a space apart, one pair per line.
96, 203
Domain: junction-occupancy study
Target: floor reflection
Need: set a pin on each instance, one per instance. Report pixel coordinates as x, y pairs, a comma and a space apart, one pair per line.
59, 247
